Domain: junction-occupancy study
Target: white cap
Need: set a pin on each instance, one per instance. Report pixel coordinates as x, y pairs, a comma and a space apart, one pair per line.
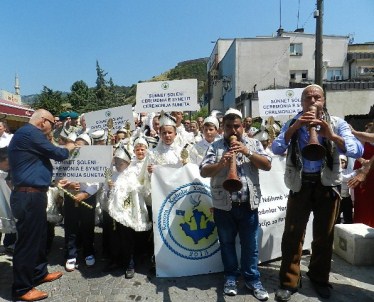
213, 120
99, 135
233, 111
64, 133
216, 113
122, 153
167, 120
123, 130
140, 140
85, 137
262, 136
72, 136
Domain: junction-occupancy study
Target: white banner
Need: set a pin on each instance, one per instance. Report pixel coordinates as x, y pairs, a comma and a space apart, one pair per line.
272, 211
183, 229
185, 235
279, 102
86, 164
178, 95
97, 120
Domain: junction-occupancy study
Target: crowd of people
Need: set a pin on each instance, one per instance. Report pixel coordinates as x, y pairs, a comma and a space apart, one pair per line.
122, 205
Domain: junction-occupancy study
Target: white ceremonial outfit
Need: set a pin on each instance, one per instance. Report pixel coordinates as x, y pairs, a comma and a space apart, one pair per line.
136, 166
124, 204
161, 155
183, 137
103, 192
165, 155
198, 151
198, 137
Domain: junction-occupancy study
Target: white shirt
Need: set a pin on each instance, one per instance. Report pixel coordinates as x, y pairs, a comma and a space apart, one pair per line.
5, 139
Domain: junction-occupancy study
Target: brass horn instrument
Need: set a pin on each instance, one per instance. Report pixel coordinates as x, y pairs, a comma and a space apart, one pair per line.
232, 182
313, 151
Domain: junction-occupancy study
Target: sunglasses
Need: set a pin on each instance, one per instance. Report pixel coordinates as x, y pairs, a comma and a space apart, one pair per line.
52, 123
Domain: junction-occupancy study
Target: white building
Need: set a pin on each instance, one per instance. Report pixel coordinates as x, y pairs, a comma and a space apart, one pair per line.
238, 68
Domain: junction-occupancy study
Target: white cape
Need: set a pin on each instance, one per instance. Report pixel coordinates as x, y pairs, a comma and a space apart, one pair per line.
126, 206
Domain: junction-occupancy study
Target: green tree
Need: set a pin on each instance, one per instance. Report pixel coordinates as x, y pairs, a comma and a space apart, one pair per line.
112, 95
101, 90
107, 93
81, 95
202, 112
53, 101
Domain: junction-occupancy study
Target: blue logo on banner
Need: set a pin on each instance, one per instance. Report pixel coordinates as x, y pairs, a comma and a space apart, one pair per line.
185, 222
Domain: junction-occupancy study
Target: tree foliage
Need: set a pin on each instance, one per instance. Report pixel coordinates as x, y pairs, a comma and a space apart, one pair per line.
50, 100
101, 84
202, 112
81, 97
107, 94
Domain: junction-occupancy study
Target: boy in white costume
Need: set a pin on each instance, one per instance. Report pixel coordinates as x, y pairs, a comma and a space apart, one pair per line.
210, 133
128, 210
140, 149
168, 151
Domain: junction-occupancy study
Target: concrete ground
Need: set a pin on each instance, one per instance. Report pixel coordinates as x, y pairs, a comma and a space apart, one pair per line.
350, 283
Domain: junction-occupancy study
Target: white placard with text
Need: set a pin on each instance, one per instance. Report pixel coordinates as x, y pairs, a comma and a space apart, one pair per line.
86, 164
97, 120
177, 95
280, 102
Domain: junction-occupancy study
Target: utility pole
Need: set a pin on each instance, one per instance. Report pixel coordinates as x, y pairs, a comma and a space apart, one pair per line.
318, 68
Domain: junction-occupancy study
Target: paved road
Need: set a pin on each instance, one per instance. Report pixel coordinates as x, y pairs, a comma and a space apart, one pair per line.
350, 283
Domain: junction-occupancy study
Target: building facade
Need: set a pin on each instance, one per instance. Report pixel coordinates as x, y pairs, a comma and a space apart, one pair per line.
238, 68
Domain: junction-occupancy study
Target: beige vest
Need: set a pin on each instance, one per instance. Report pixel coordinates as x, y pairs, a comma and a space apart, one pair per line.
221, 197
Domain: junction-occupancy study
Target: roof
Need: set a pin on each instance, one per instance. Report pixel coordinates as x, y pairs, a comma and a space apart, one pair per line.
16, 110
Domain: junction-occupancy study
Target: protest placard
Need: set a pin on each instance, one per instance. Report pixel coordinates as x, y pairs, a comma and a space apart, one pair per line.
178, 95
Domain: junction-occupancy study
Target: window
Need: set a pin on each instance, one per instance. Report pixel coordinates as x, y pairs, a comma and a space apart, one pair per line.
293, 76
304, 75
334, 74
296, 49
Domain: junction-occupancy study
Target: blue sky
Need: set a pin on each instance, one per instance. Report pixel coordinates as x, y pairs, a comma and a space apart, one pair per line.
55, 43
